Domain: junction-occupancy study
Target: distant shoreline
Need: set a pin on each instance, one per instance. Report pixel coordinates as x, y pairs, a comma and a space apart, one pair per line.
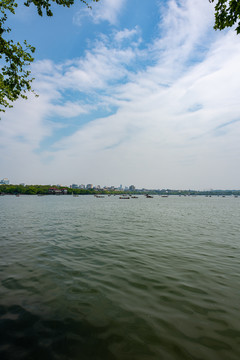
56, 190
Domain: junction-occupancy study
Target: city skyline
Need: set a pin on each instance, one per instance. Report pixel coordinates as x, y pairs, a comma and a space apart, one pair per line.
142, 93
121, 187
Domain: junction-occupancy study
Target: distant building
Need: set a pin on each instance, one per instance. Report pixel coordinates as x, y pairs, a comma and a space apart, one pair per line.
57, 191
74, 186
132, 188
89, 186
4, 181
81, 186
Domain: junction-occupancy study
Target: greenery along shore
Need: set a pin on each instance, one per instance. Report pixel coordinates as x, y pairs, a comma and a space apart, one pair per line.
46, 190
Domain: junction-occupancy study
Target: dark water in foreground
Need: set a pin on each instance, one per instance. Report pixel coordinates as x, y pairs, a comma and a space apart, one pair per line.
140, 279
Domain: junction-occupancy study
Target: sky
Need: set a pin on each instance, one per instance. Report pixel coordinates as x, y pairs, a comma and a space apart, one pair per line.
131, 92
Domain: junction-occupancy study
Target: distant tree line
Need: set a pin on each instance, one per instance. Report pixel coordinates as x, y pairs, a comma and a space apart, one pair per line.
44, 190
37, 190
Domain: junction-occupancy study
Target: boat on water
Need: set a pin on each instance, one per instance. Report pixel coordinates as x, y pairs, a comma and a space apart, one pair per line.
124, 197
164, 196
100, 196
149, 196
134, 197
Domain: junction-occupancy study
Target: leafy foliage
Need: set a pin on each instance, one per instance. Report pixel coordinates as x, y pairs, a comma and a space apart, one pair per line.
46, 5
15, 78
227, 14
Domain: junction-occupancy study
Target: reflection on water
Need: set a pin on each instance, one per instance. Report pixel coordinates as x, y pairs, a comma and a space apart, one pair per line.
87, 278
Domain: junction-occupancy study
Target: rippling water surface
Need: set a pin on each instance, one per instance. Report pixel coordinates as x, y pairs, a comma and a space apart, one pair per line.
139, 279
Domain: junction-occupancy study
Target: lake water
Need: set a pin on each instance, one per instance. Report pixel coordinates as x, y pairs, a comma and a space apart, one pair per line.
103, 279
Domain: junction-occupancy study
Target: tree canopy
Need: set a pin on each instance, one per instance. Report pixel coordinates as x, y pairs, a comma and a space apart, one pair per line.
15, 76
227, 14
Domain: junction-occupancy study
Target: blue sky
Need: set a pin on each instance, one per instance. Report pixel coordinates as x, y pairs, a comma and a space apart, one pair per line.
130, 92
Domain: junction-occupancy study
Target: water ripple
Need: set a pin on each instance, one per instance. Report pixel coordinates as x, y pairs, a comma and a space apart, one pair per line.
140, 280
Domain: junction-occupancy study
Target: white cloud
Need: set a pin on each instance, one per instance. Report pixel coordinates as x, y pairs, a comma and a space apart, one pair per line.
104, 10
126, 34
102, 65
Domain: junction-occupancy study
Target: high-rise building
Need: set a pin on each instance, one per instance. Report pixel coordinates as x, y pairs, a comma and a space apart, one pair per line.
74, 186
4, 181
